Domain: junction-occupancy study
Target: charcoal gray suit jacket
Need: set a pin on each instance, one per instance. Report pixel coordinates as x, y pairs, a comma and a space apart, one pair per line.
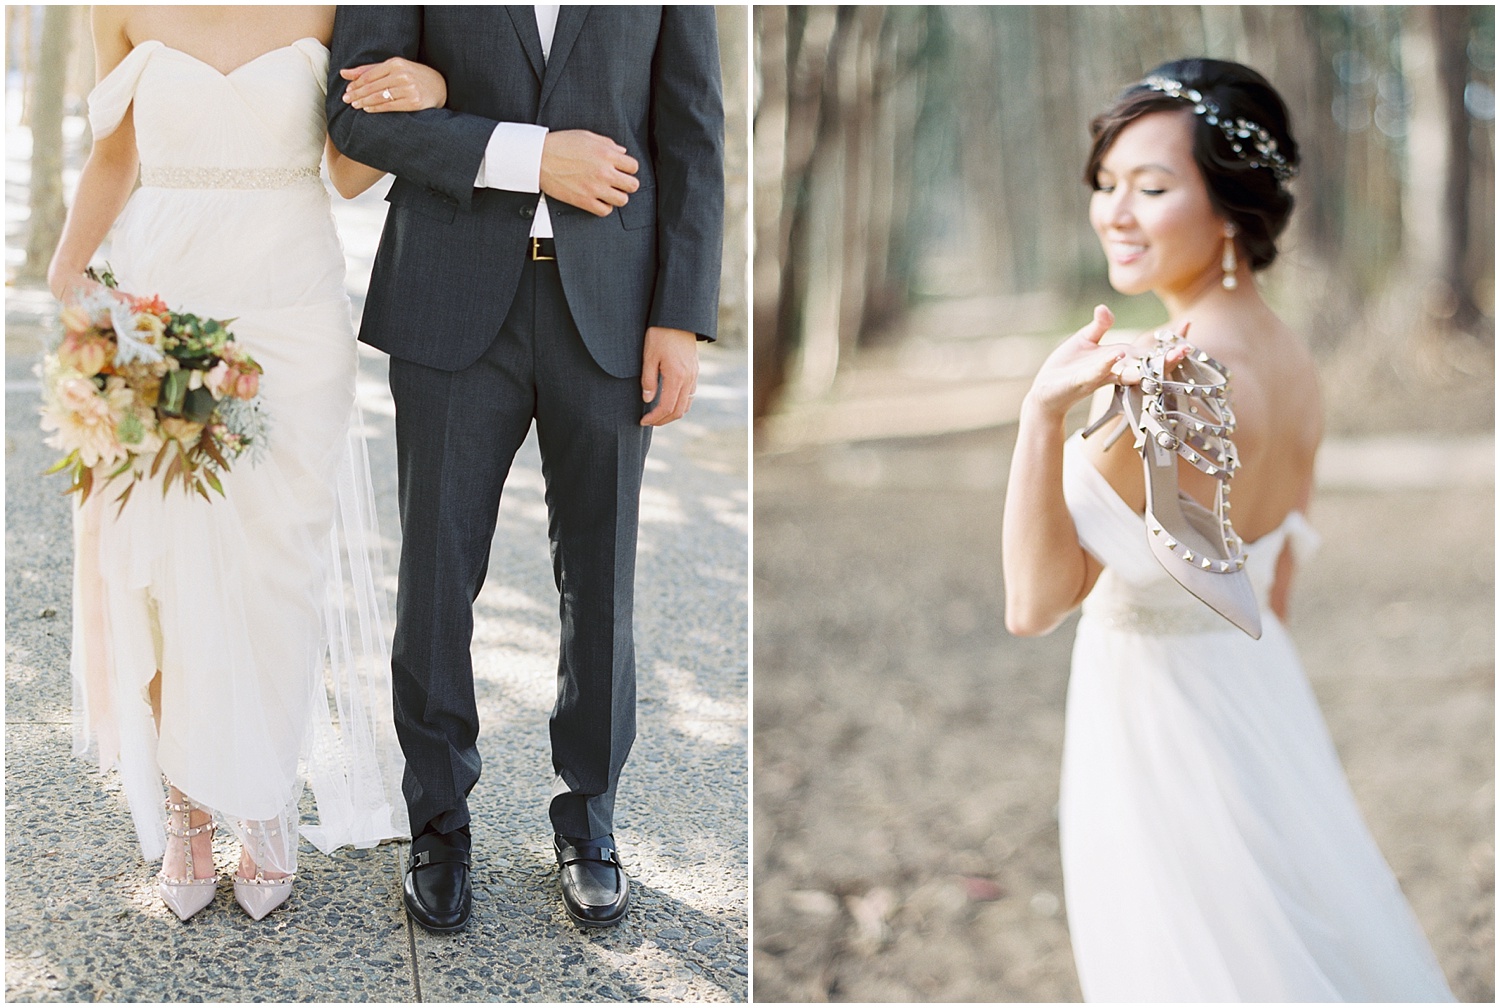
451, 255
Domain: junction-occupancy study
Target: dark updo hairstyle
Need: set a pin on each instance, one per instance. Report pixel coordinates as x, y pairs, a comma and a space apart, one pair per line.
1253, 198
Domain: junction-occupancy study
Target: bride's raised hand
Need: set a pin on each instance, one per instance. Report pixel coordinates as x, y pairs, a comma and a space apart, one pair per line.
395, 85
1077, 367
1128, 370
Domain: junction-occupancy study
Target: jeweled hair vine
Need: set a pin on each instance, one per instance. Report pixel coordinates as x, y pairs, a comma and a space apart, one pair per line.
1250, 141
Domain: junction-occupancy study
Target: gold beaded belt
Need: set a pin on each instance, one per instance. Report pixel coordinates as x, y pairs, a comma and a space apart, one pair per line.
226, 178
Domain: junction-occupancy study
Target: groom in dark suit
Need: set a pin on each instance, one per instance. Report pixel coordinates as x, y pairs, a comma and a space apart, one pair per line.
551, 254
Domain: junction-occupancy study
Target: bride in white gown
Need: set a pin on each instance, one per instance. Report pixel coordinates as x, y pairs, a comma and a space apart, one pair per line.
1211, 848
235, 647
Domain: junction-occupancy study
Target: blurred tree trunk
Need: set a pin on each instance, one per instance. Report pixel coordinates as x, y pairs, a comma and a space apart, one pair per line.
865, 190
770, 135
1436, 240
18, 52
814, 227
936, 152
795, 57
1455, 279
81, 69
1318, 201
992, 167
47, 210
898, 89
856, 118
1480, 255
835, 168
734, 60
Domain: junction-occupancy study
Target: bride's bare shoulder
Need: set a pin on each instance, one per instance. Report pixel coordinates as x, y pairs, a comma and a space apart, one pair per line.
1302, 375
112, 41
134, 23
1277, 369
1292, 351
308, 21
109, 18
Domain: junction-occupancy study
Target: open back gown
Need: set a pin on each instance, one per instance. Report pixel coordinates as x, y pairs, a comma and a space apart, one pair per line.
1211, 847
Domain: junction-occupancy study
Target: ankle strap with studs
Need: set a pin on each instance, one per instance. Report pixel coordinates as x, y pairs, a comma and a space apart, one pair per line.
1189, 414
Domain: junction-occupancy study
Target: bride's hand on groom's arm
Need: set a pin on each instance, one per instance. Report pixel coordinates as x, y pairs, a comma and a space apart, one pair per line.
411, 86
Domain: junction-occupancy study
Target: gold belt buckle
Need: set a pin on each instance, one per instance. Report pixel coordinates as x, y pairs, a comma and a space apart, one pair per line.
536, 251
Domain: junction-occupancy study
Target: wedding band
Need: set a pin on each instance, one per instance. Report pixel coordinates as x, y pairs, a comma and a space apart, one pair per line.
386, 94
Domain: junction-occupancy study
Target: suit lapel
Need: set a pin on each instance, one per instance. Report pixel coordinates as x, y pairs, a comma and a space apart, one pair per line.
569, 23
524, 19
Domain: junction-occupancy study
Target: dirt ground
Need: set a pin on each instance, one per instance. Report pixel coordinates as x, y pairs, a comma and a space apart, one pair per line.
907, 748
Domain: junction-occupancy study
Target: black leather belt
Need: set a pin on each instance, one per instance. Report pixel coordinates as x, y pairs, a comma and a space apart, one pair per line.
542, 250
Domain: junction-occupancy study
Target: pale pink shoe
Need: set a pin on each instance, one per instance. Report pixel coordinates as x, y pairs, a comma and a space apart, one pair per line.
1187, 416
186, 896
258, 896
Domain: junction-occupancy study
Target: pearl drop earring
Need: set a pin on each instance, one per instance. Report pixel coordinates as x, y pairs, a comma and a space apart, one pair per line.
1229, 263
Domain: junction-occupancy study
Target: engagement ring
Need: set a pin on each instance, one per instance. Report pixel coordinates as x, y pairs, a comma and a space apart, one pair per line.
386, 94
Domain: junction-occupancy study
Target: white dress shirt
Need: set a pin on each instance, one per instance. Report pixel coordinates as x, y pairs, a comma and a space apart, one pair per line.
513, 157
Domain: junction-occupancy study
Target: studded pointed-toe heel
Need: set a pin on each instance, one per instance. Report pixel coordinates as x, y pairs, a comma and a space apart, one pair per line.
259, 895
186, 896
1187, 416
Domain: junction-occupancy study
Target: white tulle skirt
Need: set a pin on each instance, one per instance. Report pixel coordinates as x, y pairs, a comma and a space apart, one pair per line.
263, 611
1212, 849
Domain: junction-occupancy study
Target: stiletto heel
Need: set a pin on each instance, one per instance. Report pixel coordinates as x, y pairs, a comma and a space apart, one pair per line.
186, 896
1116, 408
258, 896
1188, 417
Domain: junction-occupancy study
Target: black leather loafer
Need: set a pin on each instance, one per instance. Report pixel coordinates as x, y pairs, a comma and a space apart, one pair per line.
436, 889
595, 889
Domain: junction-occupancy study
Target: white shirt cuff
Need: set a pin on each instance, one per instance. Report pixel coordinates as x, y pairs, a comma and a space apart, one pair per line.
513, 158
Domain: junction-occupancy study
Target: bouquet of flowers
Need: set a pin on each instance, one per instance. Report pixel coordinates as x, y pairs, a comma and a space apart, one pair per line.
133, 389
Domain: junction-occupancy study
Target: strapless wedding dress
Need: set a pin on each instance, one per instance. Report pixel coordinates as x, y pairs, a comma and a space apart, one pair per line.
1211, 847
262, 609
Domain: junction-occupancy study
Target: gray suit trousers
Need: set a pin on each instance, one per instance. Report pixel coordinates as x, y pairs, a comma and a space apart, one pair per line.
457, 433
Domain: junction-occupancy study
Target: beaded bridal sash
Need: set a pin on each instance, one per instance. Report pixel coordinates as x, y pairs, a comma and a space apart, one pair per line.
226, 178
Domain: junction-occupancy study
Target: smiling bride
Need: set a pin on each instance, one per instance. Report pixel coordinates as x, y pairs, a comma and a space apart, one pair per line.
1211, 847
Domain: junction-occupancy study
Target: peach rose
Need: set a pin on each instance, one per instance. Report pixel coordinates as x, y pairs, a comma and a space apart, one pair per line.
246, 384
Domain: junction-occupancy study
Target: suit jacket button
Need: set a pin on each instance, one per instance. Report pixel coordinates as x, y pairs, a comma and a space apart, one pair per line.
528, 212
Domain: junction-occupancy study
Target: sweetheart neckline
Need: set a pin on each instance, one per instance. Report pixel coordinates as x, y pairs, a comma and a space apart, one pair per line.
249, 62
